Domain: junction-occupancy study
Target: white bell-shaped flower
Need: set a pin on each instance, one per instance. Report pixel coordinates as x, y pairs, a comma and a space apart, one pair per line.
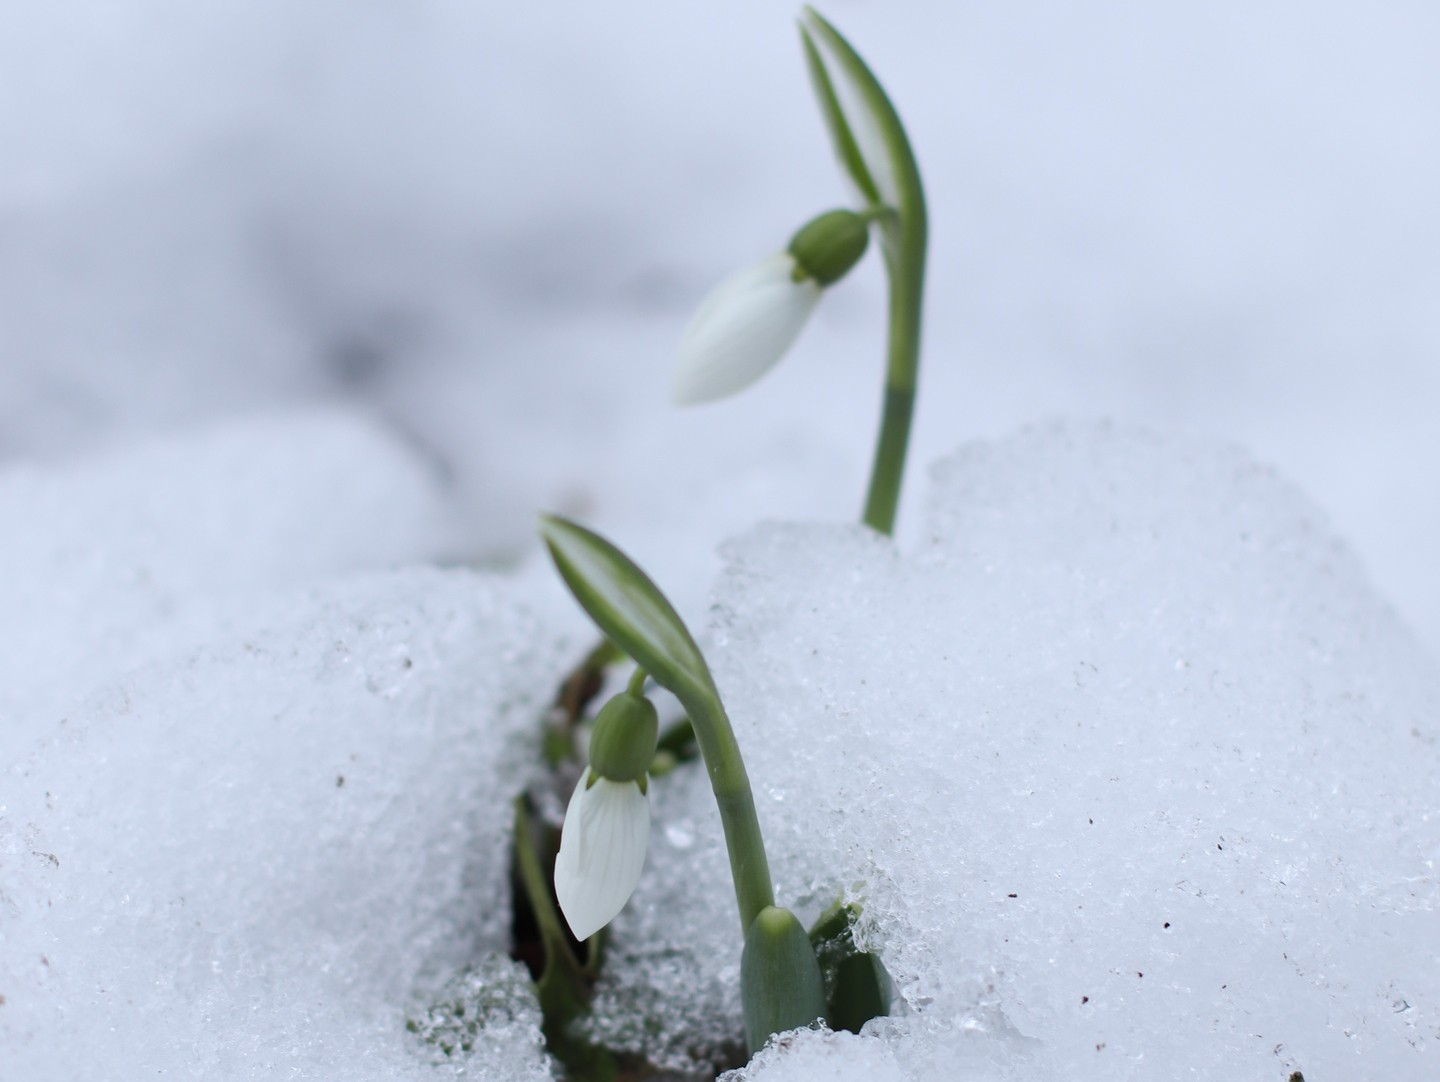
602, 851
742, 329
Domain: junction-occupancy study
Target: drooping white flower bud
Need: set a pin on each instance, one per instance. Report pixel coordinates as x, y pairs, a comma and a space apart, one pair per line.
607, 824
752, 318
742, 329
602, 851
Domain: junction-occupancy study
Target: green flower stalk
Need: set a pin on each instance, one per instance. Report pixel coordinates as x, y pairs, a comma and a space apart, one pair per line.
874, 150
784, 989
635, 615
789, 978
753, 318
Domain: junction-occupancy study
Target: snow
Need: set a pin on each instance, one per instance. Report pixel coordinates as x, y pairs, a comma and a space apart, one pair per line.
1128, 708
114, 560
299, 307
1129, 766
255, 857
842, 1057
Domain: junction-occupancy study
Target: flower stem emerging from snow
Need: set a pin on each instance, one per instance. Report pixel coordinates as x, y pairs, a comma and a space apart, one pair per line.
752, 319
563, 986
874, 150
781, 983
632, 612
788, 978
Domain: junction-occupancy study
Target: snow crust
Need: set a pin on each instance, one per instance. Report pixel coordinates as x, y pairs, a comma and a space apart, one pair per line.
116, 557
255, 788
1132, 771
254, 858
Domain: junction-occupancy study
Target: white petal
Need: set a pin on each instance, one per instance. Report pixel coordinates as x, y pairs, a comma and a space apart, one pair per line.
741, 330
602, 851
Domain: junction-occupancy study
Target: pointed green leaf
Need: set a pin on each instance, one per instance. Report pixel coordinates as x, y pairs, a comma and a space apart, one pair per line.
563, 989
780, 983
881, 140
846, 148
899, 166
857, 985
628, 608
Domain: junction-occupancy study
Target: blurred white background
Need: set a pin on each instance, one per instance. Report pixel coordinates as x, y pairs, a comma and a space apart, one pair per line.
489, 223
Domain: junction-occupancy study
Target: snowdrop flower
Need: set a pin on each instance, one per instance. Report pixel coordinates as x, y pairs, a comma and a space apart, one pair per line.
607, 823
602, 851
753, 318
742, 330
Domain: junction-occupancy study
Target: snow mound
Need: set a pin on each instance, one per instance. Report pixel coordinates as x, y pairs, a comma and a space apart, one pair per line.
809, 1053
1131, 770
257, 859
112, 561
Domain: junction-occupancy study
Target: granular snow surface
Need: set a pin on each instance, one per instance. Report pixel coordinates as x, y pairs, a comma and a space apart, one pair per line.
253, 859
1133, 773
1131, 770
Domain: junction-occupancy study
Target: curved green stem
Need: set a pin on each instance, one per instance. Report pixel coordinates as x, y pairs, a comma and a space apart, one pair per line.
634, 614
749, 867
904, 233
905, 267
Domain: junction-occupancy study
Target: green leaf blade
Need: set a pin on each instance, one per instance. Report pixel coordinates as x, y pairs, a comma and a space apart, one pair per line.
857, 985
780, 983
628, 607
847, 149
909, 194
